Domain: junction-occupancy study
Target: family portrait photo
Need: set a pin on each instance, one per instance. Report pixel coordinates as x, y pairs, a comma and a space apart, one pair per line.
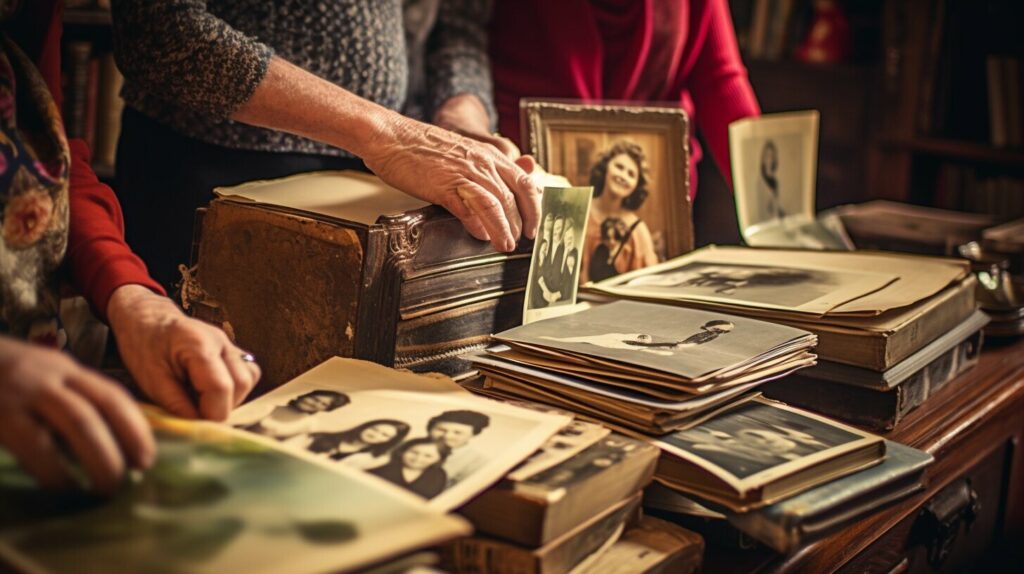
756, 437
635, 158
443, 446
555, 265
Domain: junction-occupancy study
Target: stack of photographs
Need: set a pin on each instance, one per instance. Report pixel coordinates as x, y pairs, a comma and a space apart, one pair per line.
868, 309
647, 367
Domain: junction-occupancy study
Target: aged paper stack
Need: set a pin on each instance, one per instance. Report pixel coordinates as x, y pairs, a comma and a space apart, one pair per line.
892, 328
648, 367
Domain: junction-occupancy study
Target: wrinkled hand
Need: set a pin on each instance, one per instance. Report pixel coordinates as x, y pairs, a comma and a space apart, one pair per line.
466, 115
171, 356
489, 193
46, 397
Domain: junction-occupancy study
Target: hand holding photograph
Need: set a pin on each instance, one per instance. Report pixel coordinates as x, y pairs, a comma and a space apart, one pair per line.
437, 441
636, 159
217, 500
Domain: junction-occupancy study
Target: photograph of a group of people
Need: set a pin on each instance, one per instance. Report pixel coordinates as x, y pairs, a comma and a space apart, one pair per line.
756, 437
423, 444
556, 253
630, 211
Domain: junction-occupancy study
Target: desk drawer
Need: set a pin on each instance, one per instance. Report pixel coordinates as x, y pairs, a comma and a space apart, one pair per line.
950, 531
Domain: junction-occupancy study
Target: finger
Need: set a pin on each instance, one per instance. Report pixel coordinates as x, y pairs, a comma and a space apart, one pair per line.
526, 193
485, 205
526, 163
32, 446
243, 373
213, 382
171, 393
457, 206
122, 415
507, 147
86, 433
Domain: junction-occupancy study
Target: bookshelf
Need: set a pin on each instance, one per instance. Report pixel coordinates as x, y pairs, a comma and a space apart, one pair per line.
92, 103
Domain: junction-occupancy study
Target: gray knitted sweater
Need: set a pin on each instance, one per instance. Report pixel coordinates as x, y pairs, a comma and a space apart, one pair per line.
191, 63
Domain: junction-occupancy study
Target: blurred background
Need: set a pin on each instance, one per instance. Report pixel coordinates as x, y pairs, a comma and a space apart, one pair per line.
920, 101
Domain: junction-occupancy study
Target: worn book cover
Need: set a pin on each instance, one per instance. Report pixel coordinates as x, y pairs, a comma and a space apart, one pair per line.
651, 546
538, 509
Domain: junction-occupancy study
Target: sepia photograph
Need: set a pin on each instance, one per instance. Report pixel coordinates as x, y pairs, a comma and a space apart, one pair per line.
758, 279
757, 437
636, 159
687, 343
216, 501
774, 165
436, 440
571, 440
555, 265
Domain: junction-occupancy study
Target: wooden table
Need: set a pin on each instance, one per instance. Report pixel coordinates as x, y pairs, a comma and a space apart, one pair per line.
974, 431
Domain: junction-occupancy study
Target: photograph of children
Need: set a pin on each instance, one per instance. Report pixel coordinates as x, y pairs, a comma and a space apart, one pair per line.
217, 500
757, 437
437, 441
774, 164
555, 266
636, 160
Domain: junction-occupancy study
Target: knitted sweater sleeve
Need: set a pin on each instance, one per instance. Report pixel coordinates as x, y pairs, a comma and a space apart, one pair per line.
179, 50
719, 84
457, 61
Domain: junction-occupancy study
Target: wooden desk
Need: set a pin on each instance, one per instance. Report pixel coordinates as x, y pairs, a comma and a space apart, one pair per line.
975, 433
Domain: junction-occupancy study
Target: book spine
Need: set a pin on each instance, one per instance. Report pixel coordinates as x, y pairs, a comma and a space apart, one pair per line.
108, 112
996, 101
78, 89
91, 102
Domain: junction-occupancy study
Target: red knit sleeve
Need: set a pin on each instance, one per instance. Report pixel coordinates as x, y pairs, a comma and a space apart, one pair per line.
98, 256
719, 84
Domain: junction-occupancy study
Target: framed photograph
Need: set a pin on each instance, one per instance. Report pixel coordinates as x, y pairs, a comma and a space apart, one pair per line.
774, 165
637, 160
555, 265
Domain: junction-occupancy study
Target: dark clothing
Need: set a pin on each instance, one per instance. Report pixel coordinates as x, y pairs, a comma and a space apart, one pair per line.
428, 485
163, 176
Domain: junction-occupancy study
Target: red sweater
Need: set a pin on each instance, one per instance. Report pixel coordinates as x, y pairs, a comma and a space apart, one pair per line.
676, 51
99, 259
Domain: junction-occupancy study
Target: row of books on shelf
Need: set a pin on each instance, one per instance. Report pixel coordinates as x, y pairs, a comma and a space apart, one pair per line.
769, 29
1005, 101
969, 188
92, 100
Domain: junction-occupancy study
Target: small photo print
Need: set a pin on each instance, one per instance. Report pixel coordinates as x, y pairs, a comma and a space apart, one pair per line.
757, 437
425, 435
555, 265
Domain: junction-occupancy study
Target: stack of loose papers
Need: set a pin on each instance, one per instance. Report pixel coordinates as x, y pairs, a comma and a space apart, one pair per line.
869, 309
649, 367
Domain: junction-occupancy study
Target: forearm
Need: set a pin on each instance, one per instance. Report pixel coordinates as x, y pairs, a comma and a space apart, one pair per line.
457, 61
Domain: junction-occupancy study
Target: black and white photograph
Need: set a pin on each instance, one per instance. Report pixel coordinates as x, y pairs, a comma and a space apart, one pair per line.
568, 442
600, 456
635, 158
757, 437
555, 266
426, 436
759, 279
687, 343
774, 166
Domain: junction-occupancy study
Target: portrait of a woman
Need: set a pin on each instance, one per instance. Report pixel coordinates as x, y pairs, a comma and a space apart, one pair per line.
374, 438
617, 239
417, 466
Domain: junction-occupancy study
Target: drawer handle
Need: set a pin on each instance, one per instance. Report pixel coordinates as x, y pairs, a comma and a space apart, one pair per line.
942, 516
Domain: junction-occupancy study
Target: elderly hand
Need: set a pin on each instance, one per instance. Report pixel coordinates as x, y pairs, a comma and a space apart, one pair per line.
47, 398
466, 115
172, 356
493, 197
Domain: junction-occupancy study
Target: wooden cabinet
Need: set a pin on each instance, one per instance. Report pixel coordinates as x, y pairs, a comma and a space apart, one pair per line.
971, 515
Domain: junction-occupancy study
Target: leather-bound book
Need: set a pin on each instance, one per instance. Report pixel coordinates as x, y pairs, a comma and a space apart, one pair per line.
304, 268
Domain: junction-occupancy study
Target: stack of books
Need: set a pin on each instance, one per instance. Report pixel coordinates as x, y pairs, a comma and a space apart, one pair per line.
554, 520
891, 328
647, 367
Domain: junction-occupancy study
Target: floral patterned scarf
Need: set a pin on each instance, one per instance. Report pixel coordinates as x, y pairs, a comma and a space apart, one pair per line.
34, 168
